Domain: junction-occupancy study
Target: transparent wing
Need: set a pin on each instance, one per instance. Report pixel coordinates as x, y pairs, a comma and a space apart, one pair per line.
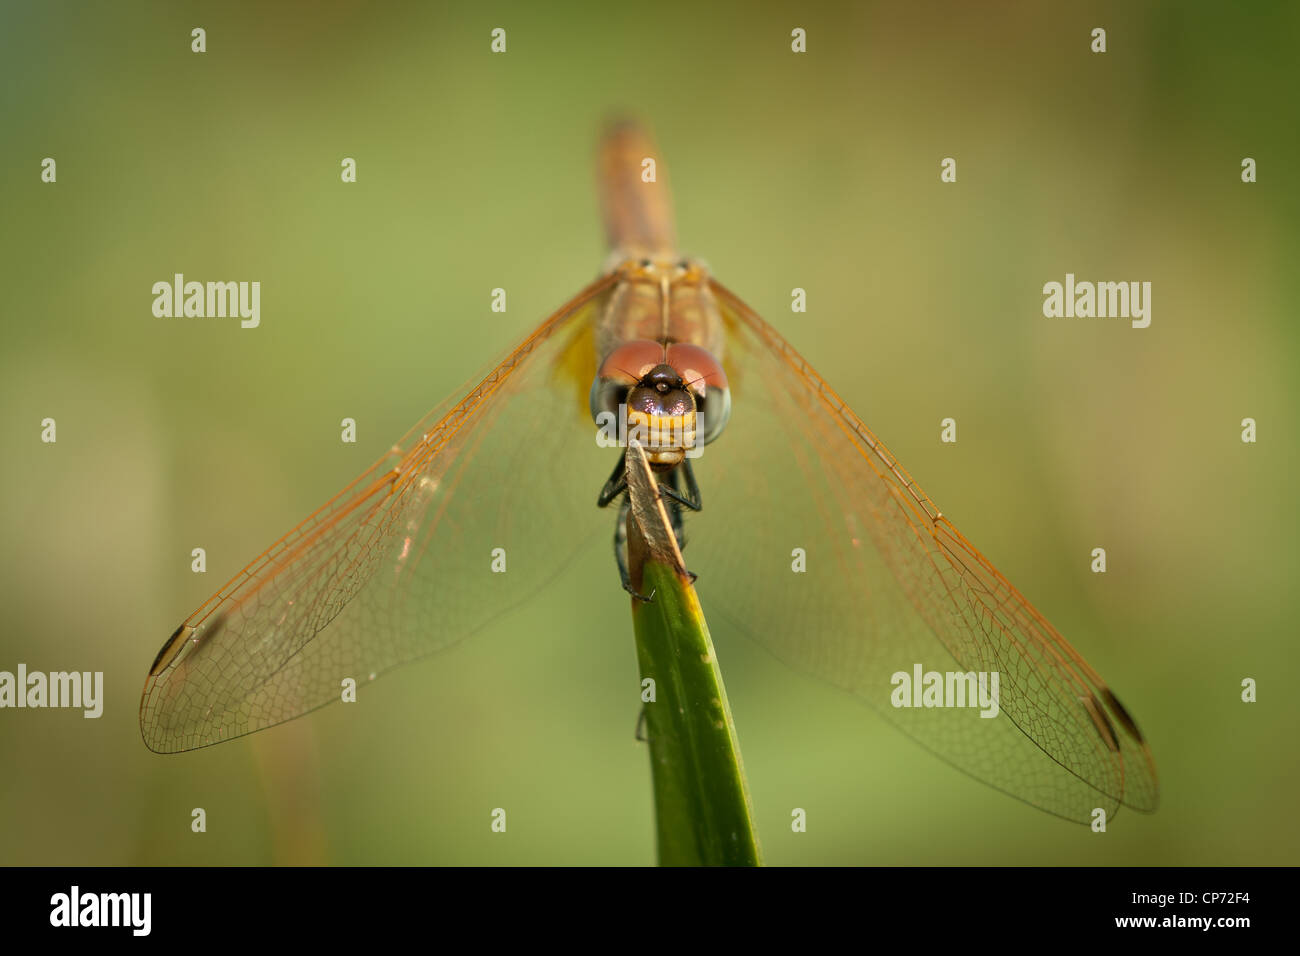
890, 583
445, 533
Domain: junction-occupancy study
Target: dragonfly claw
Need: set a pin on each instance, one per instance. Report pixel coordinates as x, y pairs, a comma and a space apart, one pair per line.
644, 599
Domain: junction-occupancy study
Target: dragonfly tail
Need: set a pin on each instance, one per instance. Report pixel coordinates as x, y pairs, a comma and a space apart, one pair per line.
633, 194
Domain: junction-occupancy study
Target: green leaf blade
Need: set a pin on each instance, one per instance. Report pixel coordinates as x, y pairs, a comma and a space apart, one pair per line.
702, 806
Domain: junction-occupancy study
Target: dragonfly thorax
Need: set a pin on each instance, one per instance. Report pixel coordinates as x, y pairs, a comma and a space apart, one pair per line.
657, 270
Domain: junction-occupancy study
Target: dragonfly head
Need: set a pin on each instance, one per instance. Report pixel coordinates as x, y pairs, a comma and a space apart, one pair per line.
672, 398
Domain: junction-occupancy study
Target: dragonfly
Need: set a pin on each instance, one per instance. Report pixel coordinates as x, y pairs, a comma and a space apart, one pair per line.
484, 502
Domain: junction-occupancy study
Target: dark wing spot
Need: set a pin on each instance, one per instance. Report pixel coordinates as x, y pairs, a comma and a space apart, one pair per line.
1122, 713
1100, 721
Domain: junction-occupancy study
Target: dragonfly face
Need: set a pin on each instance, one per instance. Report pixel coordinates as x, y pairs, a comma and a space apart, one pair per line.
655, 403
672, 396
397, 566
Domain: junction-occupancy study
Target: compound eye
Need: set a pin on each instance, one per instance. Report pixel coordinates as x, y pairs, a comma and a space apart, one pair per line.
703, 375
622, 369
712, 413
605, 398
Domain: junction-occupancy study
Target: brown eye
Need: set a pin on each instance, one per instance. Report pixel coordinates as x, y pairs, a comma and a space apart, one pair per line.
619, 372
704, 376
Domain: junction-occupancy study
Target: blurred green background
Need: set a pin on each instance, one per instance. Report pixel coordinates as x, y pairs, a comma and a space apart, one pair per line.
475, 171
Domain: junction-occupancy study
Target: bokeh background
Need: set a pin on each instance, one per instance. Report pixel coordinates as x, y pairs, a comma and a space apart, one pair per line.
475, 171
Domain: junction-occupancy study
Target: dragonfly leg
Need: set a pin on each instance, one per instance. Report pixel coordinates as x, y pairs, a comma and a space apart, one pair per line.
615, 485
640, 726
620, 554
691, 499
675, 509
